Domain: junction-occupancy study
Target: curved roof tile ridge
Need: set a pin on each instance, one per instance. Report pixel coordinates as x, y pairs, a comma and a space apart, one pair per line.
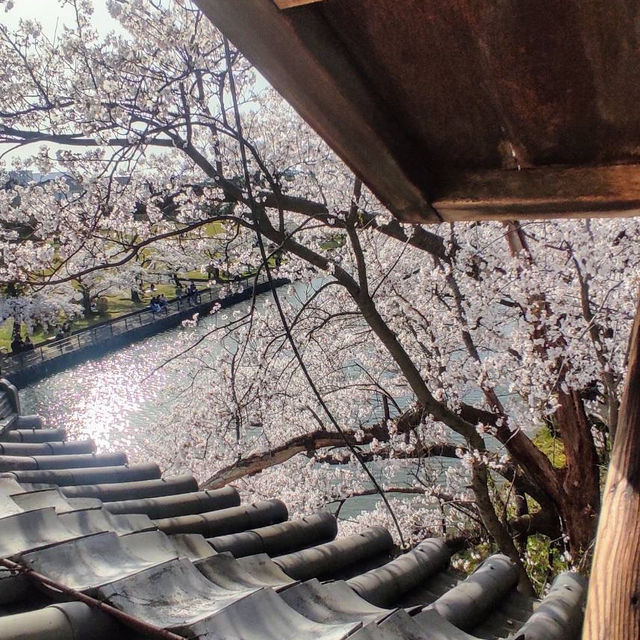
142, 550
278, 539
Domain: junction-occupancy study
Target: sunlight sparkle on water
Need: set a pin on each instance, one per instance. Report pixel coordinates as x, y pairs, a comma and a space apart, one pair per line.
122, 400
115, 400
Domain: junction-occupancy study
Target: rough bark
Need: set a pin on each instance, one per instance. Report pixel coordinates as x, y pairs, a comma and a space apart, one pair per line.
581, 502
496, 529
417, 453
87, 300
543, 522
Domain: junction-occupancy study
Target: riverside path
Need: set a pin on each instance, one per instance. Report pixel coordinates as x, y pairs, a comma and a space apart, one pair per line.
56, 355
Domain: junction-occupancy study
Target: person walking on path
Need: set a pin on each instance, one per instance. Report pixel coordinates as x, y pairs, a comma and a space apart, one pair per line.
192, 294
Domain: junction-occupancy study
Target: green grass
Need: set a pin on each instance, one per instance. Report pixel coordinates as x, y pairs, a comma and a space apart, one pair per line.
6, 333
543, 561
118, 305
338, 240
214, 228
551, 446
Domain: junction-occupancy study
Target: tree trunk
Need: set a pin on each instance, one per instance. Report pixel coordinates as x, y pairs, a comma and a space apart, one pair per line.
86, 302
581, 478
496, 529
613, 604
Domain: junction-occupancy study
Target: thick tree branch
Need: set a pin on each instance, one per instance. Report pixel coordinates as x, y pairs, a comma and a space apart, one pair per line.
312, 442
419, 451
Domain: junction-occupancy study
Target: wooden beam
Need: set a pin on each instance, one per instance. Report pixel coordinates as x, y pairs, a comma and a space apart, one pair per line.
288, 4
548, 192
302, 58
613, 603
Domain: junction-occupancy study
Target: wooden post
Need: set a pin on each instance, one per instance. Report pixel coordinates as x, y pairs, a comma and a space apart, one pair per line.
613, 603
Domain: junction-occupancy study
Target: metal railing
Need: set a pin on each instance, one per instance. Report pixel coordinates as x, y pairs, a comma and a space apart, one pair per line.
99, 333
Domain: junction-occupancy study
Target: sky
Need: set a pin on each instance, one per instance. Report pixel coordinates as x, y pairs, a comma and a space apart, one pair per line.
51, 16
49, 13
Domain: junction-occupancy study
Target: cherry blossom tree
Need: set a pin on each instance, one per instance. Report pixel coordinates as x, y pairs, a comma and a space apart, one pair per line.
432, 355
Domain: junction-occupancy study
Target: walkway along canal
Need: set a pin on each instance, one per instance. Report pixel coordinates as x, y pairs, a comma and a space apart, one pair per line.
56, 355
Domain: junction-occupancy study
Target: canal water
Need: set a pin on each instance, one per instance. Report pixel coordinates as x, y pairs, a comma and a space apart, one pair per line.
122, 398
119, 398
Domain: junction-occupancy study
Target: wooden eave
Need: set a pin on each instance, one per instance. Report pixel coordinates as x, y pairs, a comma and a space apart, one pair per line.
289, 4
461, 111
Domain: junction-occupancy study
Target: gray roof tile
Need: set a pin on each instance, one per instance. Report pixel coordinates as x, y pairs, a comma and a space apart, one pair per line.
173, 595
143, 550
251, 572
86, 563
54, 498
31, 530
178, 505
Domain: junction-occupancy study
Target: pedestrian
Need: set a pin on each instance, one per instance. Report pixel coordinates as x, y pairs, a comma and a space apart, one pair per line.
17, 345
192, 293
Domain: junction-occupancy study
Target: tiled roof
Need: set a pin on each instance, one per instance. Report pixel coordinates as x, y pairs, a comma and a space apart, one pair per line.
200, 564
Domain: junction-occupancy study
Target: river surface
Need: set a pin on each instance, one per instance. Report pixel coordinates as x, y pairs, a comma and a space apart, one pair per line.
119, 398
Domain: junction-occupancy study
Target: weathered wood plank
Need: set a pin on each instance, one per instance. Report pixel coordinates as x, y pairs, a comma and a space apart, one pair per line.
410, 93
613, 604
553, 83
288, 4
551, 192
307, 64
